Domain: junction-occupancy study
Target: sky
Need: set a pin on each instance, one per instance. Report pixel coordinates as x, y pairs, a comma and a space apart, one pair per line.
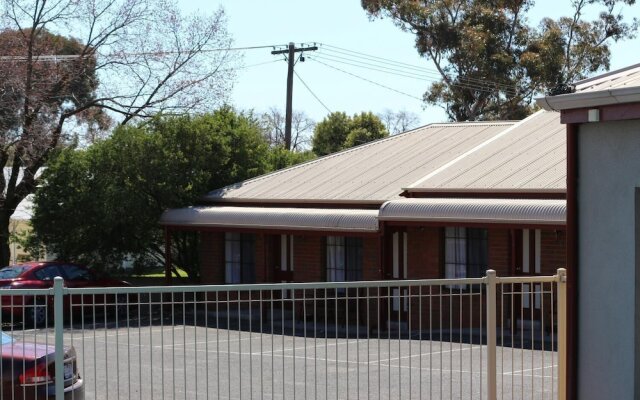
341, 28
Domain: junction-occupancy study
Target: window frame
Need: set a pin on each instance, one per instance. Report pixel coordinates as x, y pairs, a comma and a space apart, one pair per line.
476, 253
341, 252
241, 263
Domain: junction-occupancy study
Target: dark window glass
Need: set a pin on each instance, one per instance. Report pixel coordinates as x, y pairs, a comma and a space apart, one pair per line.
344, 259
11, 272
466, 252
77, 273
47, 273
240, 258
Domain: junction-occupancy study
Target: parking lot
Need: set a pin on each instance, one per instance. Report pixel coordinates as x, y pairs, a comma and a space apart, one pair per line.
160, 360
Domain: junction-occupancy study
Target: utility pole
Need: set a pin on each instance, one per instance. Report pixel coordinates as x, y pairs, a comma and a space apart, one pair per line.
290, 51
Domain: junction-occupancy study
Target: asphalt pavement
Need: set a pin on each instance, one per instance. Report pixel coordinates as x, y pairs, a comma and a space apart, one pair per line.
171, 358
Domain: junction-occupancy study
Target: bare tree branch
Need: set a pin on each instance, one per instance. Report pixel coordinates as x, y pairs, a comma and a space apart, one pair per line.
133, 58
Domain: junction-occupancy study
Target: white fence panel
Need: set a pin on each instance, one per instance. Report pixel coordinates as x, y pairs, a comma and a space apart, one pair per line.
483, 338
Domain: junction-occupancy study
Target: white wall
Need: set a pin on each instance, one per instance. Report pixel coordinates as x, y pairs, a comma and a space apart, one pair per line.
609, 172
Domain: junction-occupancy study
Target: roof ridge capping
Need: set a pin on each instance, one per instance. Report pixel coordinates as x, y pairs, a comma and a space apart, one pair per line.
219, 192
611, 92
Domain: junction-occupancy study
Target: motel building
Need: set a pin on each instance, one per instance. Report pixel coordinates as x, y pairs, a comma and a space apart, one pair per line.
558, 189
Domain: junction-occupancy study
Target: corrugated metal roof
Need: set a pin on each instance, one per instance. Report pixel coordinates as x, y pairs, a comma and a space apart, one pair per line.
309, 219
619, 79
615, 87
530, 156
504, 211
374, 172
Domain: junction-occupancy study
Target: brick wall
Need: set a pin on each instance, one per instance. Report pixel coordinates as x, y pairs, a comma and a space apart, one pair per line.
499, 243
554, 251
262, 274
371, 259
308, 255
212, 257
424, 248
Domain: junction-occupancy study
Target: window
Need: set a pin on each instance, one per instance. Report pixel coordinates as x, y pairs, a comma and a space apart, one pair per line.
531, 251
77, 273
239, 253
47, 272
466, 252
344, 259
12, 272
399, 271
286, 253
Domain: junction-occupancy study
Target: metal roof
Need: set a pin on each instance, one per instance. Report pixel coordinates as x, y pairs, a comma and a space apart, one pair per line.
528, 157
616, 87
486, 211
374, 172
307, 219
618, 79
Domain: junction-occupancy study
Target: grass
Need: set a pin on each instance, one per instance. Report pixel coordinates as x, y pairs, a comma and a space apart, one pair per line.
159, 273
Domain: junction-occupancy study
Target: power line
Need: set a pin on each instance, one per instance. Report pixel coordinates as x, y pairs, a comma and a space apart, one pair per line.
367, 80
470, 83
458, 85
343, 51
311, 91
353, 60
64, 57
410, 75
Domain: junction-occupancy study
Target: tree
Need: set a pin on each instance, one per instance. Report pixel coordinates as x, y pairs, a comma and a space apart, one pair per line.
127, 59
338, 131
492, 62
279, 158
273, 125
103, 203
398, 122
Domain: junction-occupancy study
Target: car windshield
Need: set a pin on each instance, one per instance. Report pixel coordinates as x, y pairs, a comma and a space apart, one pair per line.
5, 339
11, 272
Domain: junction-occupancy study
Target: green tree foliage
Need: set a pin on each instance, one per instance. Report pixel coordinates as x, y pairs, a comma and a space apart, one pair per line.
101, 204
338, 131
70, 69
492, 62
279, 158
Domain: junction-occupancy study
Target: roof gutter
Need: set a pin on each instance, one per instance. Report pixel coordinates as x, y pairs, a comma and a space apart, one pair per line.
472, 191
590, 99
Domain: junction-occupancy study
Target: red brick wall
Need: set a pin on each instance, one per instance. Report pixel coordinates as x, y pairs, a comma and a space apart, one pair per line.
212, 257
308, 255
424, 248
425, 261
554, 251
499, 242
261, 272
371, 259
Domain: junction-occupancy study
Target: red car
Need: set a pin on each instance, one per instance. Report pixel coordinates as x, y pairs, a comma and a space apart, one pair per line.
35, 310
28, 371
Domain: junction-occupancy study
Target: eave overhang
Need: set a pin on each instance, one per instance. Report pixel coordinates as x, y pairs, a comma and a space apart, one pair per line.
476, 211
262, 218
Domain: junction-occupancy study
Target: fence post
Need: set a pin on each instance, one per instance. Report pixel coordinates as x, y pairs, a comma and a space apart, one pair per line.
58, 320
492, 370
562, 334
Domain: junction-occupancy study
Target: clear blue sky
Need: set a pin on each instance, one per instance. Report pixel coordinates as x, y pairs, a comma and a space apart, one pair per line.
341, 23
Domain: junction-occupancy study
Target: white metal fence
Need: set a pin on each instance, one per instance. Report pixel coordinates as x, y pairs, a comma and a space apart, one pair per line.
482, 338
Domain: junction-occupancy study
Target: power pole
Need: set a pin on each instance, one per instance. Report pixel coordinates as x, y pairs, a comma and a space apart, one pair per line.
290, 51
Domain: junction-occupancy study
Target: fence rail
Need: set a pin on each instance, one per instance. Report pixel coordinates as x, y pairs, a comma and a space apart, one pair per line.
491, 337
